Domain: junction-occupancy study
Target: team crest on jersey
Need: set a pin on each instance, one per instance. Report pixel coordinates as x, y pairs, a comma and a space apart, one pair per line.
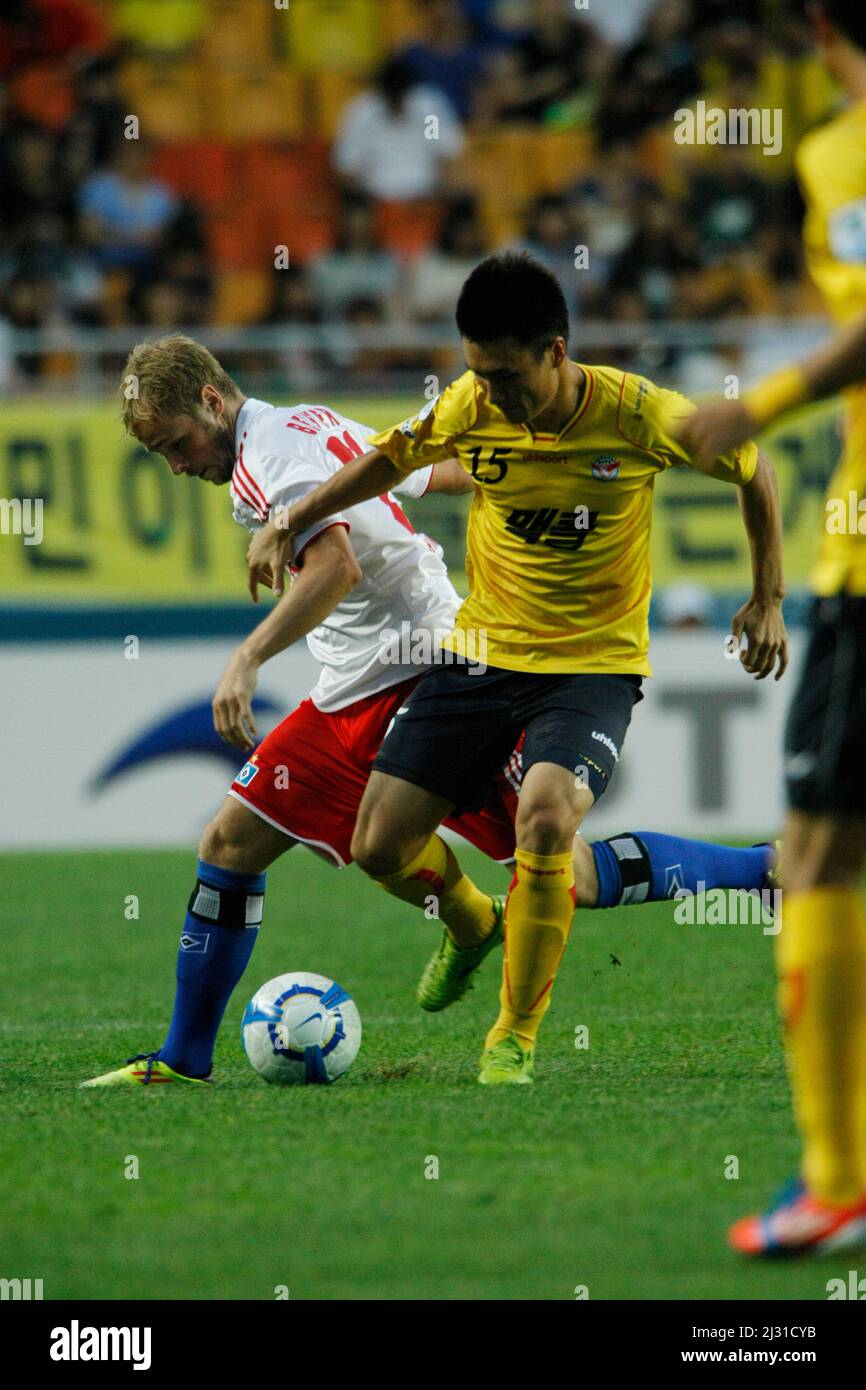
246, 774
605, 467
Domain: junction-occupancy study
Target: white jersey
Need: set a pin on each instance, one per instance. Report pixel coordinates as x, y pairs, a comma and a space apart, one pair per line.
283, 454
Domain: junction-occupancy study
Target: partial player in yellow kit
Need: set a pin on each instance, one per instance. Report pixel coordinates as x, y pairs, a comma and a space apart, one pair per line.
821, 950
551, 643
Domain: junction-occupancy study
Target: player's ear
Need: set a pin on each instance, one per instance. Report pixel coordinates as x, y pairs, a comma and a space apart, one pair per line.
560, 351
212, 401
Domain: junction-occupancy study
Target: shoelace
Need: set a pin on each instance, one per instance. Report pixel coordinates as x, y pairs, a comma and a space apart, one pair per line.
512, 1060
149, 1057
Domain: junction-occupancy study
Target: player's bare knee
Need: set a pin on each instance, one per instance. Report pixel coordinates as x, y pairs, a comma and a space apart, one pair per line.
546, 828
379, 849
379, 861
215, 843
373, 852
236, 839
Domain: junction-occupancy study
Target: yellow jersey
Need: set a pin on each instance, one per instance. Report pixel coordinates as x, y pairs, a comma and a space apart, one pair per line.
559, 530
831, 164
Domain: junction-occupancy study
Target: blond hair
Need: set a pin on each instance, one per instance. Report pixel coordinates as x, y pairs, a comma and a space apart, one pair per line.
164, 378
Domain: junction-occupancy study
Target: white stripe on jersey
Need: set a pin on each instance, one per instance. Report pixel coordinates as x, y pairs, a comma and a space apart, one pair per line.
283, 454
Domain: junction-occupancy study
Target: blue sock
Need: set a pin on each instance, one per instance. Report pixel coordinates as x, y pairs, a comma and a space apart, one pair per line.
219, 933
644, 867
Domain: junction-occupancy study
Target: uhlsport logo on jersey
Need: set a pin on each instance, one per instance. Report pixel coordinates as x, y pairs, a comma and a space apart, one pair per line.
605, 467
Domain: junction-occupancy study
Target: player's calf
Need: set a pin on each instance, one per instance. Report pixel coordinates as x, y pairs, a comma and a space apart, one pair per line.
217, 939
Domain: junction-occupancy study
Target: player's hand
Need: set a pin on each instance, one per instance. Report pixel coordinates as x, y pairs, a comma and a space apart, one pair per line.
268, 556
767, 640
233, 704
714, 429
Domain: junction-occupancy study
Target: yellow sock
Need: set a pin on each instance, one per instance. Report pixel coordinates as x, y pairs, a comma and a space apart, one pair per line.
821, 958
538, 915
435, 874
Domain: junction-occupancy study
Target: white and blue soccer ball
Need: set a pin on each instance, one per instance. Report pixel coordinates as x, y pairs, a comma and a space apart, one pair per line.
300, 1029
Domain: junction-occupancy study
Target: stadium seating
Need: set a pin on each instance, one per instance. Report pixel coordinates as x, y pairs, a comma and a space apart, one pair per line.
171, 101
181, 22
268, 105
331, 91
239, 37
337, 35
407, 228
241, 296
43, 93
199, 169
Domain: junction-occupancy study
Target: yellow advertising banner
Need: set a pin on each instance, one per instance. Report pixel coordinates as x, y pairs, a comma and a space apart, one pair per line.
117, 527
698, 533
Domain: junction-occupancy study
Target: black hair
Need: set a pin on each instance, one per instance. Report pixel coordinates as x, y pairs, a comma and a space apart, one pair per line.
512, 296
849, 17
395, 79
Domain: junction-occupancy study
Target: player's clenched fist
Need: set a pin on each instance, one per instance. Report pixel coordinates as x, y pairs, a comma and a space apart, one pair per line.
715, 428
268, 556
233, 703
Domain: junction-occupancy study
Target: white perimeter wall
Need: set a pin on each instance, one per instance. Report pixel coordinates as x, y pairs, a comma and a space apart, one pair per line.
703, 755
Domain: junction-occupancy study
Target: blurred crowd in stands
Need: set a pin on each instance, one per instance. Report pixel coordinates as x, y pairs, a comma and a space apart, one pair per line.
343, 164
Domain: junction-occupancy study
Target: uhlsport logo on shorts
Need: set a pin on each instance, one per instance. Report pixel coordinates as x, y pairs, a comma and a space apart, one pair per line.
605, 467
608, 743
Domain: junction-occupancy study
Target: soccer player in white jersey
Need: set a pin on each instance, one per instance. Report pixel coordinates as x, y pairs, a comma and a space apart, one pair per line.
361, 579
305, 780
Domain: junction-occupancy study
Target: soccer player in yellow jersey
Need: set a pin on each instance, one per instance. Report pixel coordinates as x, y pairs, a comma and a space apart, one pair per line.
553, 636
821, 950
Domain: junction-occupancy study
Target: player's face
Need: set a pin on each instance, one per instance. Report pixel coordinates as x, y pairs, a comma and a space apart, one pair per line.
517, 382
202, 445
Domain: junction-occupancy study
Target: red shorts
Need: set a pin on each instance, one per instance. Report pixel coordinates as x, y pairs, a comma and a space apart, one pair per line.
308, 776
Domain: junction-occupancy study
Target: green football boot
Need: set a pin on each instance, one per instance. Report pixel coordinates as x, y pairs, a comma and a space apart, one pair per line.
507, 1063
448, 974
152, 1073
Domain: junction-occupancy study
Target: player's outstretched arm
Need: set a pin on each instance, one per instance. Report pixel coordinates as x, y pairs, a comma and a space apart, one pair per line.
328, 572
270, 549
718, 425
761, 617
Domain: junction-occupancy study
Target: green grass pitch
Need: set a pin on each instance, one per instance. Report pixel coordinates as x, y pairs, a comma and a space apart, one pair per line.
608, 1173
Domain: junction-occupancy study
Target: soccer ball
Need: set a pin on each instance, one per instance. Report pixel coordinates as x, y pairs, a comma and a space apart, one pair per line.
301, 1028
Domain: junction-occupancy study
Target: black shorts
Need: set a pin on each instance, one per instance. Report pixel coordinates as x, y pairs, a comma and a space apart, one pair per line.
460, 726
825, 737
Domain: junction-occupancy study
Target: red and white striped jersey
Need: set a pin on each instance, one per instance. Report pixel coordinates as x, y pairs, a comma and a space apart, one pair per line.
283, 454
